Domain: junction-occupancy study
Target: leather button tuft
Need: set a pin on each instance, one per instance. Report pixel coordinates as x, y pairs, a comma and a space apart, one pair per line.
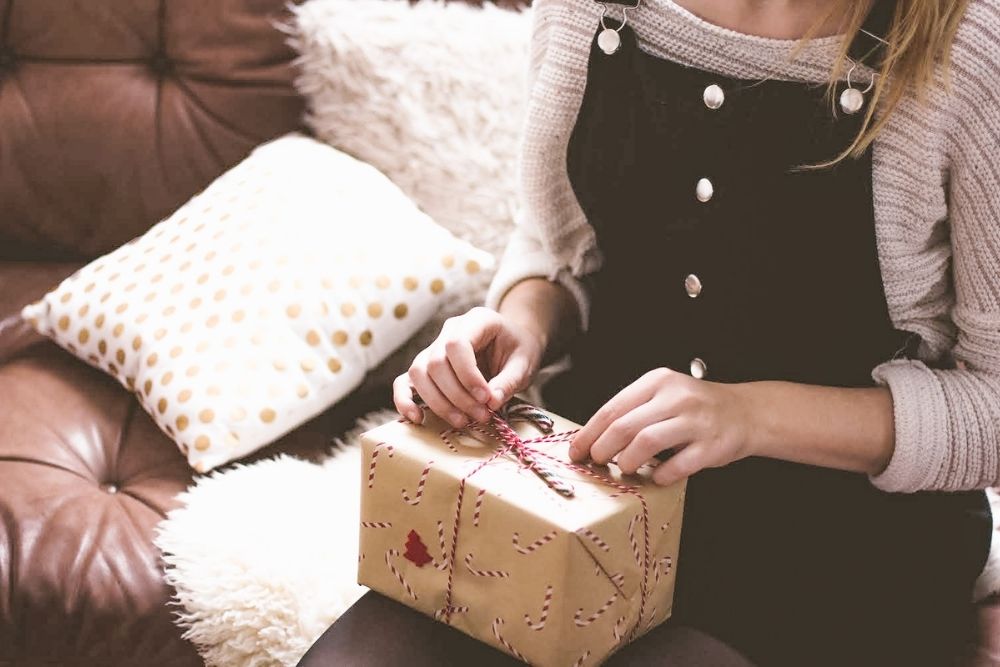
161, 64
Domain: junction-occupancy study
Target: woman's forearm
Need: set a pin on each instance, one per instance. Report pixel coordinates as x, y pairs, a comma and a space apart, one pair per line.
545, 308
846, 429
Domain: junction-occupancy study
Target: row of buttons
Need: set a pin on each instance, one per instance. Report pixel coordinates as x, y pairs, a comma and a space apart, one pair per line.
714, 97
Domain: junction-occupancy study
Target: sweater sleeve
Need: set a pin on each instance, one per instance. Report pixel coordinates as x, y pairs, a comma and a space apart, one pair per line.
948, 421
552, 238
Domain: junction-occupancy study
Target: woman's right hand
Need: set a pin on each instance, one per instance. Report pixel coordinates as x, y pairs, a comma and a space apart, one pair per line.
451, 374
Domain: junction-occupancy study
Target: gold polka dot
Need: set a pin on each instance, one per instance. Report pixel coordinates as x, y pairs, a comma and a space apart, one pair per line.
176, 351
167, 377
302, 391
84, 309
105, 297
347, 309
324, 309
191, 371
162, 405
340, 337
66, 297
99, 321
374, 310
102, 347
410, 283
186, 327
117, 331
177, 288
209, 256
206, 416
212, 321
120, 356
152, 359
111, 367
313, 338
238, 414
195, 302
274, 286
308, 365
201, 443
165, 258
142, 318
447, 261
293, 310
334, 365
365, 338
160, 333
184, 396
169, 310
213, 391
114, 277
150, 297
326, 283
130, 287
238, 316
202, 279
148, 386
229, 342
437, 285
202, 346
157, 278
121, 308
64, 322
182, 422
90, 288
140, 268
136, 343
93, 358
354, 281
279, 365
246, 289
255, 264
400, 311
472, 266
232, 438
83, 336
382, 282
229, 269
267, 415
219, 295
130, 383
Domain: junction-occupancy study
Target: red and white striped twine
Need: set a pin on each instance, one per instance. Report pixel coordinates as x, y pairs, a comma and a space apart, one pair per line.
583, 622
500, 574
546, 603
583, 658
375, 452
420, 486
616, 631
446, 438
376, 524
632, 540
479, 507
652, 617
593, 537
392, 553
443, 563
534, 546
497, 622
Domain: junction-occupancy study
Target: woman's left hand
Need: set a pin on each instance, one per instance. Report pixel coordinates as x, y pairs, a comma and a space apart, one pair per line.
706, 424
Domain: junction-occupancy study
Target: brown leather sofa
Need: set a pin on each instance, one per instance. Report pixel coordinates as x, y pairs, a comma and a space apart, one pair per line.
112, 114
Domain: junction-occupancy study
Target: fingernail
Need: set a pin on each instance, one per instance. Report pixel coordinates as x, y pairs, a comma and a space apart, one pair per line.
457, 419
498, 394
481, 415
480, 394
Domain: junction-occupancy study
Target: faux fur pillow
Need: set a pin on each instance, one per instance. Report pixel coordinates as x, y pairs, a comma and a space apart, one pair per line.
432, 95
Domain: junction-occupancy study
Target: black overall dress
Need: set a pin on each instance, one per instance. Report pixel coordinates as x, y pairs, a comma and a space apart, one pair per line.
774, 276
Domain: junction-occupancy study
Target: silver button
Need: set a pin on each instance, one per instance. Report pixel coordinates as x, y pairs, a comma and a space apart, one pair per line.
713, 97
692, 285
704, 190
851, 100
609, 40
699, 369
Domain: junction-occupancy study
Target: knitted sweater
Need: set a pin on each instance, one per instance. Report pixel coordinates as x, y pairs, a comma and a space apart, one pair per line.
937, 207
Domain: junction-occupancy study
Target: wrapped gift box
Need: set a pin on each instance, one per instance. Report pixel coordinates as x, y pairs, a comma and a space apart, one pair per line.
552, 579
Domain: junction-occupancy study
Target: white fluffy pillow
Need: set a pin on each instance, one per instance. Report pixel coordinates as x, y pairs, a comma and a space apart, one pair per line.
263, 300
434, 96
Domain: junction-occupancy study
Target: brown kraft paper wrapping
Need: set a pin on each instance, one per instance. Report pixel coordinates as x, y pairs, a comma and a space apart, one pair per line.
554, 581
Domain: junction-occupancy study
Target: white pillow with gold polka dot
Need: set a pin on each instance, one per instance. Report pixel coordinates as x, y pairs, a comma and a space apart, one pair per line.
263, 300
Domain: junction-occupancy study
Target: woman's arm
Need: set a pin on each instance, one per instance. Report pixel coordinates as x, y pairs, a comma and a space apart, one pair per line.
545, 308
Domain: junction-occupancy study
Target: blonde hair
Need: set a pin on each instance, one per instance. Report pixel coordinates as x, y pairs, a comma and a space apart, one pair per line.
918, 40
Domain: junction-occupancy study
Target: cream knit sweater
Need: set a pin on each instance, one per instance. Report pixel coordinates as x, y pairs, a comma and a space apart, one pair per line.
937, 208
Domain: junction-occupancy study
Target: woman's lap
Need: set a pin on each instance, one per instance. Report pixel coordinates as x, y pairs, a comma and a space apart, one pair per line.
380, 632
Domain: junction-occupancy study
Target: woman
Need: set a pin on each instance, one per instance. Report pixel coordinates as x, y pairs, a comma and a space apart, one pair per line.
788, 291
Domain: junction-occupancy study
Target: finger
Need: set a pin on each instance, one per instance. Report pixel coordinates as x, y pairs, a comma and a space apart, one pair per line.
435, 400
402, 396
509, 380
443, 375
681, 465
462, 358
624, 401
620, 433
671, 433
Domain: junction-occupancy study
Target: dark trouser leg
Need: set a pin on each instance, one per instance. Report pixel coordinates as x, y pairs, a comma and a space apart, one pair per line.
378, 632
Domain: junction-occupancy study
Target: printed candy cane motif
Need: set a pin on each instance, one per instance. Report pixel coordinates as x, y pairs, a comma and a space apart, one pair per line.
579, 661
479, 507
440, 613
375, 452
420, 486
534, 546
545, 611
502, 574
593, 537
583, 622
497, 622
664, 527
618, 579
616, 631
376, 524
392, 553
652, 617
443, 563
633, 541
665, 564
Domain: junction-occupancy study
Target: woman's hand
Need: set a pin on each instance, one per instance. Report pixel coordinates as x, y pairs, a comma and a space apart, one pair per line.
449, 374
706, 424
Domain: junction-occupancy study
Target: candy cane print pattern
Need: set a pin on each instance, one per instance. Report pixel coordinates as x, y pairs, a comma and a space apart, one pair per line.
375, 452
443, 563
583, 622
420, 486
389, 555
376, 524
546, 603
579, 661
500, 574
479, 507
633, 541
664, 568
534, 546
616, 631
497, 622
593, 537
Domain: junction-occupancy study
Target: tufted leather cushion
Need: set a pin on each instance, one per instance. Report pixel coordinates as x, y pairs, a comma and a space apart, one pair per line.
114, 112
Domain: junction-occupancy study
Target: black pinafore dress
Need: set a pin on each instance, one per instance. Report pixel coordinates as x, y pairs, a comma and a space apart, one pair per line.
723, 259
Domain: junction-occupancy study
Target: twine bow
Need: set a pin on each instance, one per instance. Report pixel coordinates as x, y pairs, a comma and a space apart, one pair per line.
497, 429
